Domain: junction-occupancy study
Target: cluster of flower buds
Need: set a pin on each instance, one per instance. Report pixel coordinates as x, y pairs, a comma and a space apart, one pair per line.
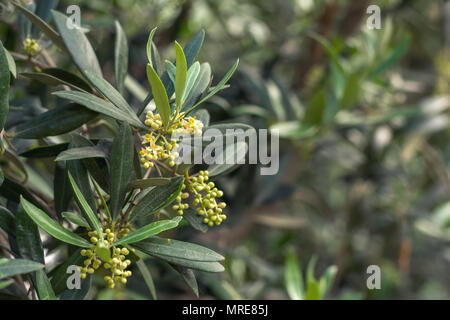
189, 125
204, 200
31, 47
158, 145
118, 262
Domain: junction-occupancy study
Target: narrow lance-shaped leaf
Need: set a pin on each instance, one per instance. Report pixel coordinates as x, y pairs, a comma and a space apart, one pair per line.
188, 259
150, 182
27, 237
54, 122
43, 286
77, 44
51, 227
171, 70
191, 78
157, 198
293, 278
81, 153
178, 249
149, 230
159, 94
11, 64
181, 74
101, 250
4, 86
53, 80
75, 219
219, 86
188, 277
149, 46
147, 277
85, 206
120, 57
9, 268
62, 192
122, 154
106, 89
99, 105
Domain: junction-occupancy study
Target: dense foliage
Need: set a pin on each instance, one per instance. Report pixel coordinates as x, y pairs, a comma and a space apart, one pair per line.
88, 175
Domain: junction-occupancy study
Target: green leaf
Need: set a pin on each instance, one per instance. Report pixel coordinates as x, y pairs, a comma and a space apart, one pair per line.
81, 153
195, 220
202, 82
62, 192
193, 47
351, 92
111, 94
43, 286
326, 280
85, 207
9, 268
120, 57
149, 182
188, 277
147, 277
99, 105
149, 230
157, 198
54, 122
11, 64
102, 251
51, 227
78, 45
180, 253
191, 78
56, 77
4, 86
45, 151
178, 249
42, 25
27, 237
171, 70
292, 277
391, 58
219, 86
122, 154
313, 291
181, 74
75, 219
7, 221
159, 94
149, 45
81, 176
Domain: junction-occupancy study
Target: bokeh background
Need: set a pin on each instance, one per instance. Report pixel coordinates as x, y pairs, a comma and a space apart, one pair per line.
364, 138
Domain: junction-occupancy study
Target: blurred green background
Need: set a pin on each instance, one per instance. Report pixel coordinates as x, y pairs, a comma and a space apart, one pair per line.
363, 117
